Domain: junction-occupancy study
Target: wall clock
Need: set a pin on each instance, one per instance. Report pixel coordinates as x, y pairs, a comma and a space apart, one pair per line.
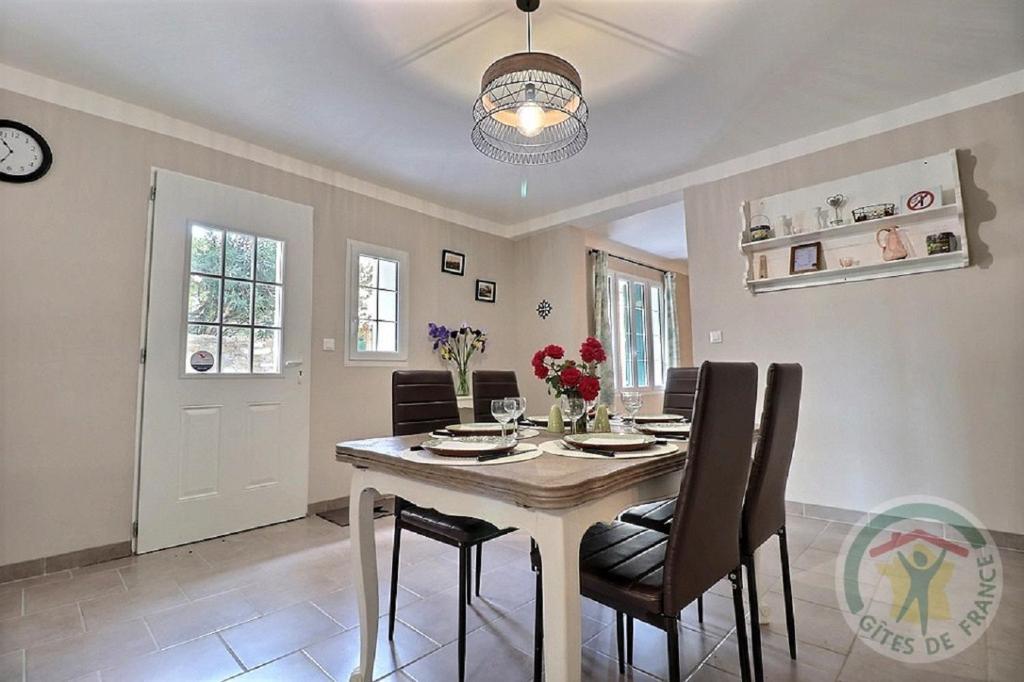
24, 154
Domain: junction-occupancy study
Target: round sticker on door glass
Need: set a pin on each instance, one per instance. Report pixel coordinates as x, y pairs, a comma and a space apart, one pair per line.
201, 360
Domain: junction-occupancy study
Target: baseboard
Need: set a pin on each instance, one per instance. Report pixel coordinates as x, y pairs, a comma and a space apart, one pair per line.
62, 562
1002, 539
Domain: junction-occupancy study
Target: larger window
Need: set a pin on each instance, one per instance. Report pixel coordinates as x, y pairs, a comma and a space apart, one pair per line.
638, 320
235, 297
377, 303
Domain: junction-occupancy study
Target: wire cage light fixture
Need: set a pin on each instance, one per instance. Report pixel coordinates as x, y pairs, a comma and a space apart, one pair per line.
531, 109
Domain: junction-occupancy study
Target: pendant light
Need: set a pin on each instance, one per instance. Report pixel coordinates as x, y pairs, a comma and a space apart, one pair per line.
531, 109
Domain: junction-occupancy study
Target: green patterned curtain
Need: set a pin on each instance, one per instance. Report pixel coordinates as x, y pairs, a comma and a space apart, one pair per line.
603, 325
671, 322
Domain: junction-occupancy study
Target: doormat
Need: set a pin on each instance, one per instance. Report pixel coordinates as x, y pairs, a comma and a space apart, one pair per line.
339, 517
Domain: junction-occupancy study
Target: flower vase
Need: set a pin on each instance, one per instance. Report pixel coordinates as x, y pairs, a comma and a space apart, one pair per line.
461, 382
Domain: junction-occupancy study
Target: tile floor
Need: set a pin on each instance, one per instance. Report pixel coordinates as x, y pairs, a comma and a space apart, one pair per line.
277, 603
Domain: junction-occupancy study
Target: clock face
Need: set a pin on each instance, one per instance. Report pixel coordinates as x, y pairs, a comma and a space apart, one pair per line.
24, 154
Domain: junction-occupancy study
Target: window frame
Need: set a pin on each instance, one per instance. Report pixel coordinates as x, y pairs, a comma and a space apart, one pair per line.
655, 384
353, 356
188, 273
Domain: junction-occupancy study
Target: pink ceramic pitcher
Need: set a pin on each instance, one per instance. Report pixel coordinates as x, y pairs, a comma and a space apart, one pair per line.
892, 246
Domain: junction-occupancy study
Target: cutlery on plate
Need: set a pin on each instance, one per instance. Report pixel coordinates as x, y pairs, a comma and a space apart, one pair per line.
442, 432
589, 451
496, 455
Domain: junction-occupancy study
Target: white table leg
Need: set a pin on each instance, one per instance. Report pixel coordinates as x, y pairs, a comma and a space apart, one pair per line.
559, 543
364, 551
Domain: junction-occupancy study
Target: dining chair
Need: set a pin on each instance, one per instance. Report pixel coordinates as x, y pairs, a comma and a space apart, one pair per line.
764, 506
422, 401
490, 385
650, 575
680, 391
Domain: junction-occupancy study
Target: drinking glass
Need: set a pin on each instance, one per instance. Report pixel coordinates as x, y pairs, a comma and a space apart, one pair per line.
517, 406
632, 401
573, 408
501, 413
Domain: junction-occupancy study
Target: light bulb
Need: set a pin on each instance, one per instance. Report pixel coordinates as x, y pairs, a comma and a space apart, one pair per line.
530, 119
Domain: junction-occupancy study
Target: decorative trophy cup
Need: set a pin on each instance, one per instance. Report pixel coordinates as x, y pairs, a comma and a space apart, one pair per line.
836, 201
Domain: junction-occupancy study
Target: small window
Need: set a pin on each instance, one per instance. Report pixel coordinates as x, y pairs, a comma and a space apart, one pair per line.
235, 302
639, 348
377, 319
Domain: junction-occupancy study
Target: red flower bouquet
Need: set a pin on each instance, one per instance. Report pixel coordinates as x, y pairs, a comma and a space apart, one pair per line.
571, 377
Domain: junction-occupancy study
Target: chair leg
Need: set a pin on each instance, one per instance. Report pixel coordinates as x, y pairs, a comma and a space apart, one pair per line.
463, 584
736, 578
755, 625
479, 565
619, 642
538, 632
700, 609
672, 633
394, 579
787, 589
629, 640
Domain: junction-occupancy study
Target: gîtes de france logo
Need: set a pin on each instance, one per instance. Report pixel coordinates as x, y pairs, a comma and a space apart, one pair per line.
913, 592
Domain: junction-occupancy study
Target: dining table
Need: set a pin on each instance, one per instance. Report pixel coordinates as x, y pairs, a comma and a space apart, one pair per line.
553, 498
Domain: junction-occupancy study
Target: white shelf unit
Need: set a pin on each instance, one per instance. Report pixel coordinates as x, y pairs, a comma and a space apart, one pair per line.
797, 215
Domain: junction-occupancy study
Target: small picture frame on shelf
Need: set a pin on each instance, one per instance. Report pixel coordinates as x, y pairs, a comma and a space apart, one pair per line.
453, 262
805, 258
486, 291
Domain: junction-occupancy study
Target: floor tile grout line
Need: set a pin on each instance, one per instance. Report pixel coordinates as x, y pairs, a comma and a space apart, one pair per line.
304, 654
231, 651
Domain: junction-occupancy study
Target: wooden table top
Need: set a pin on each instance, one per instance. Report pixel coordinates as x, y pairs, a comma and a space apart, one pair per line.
546, 482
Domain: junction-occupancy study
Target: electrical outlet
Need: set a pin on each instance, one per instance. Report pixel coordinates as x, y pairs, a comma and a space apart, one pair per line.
715, 336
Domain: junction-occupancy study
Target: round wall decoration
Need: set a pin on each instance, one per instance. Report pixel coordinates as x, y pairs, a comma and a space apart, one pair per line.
24, 154
544, 309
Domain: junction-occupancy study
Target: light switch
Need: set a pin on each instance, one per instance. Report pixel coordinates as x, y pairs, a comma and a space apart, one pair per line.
328, 344
715, 336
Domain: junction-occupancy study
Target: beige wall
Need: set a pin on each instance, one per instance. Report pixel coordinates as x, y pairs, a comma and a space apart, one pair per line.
913, 385
71, 262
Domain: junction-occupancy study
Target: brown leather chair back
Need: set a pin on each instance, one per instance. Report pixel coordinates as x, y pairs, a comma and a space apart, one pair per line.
680, 390
421, 401
490, 385
704, 542
764, 510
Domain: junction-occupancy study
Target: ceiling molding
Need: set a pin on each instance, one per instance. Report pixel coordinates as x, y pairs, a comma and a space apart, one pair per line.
672, 188
90, 102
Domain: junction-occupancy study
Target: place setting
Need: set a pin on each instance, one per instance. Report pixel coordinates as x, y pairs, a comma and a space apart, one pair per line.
480, 442
611, 446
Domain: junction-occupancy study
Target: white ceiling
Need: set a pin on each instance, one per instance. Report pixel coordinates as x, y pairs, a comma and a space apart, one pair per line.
661, 231
382, 89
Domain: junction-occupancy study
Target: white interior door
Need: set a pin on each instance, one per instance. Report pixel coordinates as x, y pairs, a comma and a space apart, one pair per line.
225, 416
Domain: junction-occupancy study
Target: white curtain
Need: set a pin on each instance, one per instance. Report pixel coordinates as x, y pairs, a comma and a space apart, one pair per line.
603, 325
671, 322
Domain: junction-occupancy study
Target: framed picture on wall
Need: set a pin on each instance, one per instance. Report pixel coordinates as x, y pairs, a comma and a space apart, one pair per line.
453, 262
805, 258
485, 291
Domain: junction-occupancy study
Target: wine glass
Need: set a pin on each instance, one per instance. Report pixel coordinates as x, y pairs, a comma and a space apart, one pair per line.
632, 401
573, 407
501, 413
516, 406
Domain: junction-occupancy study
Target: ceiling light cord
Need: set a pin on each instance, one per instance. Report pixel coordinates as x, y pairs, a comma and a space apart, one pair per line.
529, 32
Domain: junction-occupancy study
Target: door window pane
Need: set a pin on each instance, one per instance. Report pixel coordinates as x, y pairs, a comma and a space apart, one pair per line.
387, 273
269, 260
237, 302
236, 350
206, 250
238, 255
367, 271
367, 303
268, 305
387, 302
203, 299
266, 351
366, 336
235, 297
387, 337
202, 337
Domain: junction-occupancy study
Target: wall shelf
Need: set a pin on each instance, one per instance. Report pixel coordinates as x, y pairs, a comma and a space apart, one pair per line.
907, 266
851, 228
799, 209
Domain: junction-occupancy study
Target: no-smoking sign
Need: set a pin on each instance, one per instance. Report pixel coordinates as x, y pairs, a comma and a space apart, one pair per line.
920, 200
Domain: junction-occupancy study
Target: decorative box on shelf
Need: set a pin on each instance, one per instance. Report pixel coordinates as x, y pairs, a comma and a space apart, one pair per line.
927, 199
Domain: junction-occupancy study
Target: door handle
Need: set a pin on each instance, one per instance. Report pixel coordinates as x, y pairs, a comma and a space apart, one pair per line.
293, 363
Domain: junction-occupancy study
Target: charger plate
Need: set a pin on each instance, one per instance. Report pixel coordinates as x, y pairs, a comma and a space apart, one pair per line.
553, 447
612, 442
652, 418
470, 446
665, 428
523, 453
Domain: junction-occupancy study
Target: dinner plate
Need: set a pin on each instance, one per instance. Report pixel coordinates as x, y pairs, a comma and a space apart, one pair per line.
651, 418
612, 442
540, 419
476, 429
665, 428
471, 446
